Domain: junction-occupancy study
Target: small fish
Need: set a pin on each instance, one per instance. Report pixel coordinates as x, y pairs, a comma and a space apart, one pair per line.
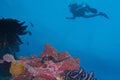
73, 74
79, 74
31, 24
30, 33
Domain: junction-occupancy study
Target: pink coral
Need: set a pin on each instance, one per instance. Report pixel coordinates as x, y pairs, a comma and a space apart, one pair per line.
64, 57
57, 63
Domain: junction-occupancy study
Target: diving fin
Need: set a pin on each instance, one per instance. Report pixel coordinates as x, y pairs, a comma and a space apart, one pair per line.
103, 14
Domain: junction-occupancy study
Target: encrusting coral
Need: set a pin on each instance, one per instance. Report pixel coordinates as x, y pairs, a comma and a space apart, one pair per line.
51, 65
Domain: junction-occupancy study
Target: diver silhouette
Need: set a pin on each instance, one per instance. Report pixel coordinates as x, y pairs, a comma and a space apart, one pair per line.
84, 11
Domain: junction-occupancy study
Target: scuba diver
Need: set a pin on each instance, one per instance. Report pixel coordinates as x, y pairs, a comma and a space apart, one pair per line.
84, 11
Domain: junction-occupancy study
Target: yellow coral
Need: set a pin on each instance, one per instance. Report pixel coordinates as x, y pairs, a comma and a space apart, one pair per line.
16, 68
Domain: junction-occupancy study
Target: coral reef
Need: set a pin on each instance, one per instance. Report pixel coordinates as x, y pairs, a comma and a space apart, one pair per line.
51, 65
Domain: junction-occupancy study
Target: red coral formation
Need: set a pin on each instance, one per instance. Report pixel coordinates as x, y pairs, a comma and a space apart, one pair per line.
47, 66
49, 51
59, 56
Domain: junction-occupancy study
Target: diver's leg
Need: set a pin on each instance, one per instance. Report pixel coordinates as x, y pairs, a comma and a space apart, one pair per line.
89, 16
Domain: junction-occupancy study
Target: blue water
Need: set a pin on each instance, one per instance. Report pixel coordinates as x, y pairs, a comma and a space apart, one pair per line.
96, 41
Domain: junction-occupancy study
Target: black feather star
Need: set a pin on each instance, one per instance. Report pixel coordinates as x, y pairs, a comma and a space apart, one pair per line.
10, 32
